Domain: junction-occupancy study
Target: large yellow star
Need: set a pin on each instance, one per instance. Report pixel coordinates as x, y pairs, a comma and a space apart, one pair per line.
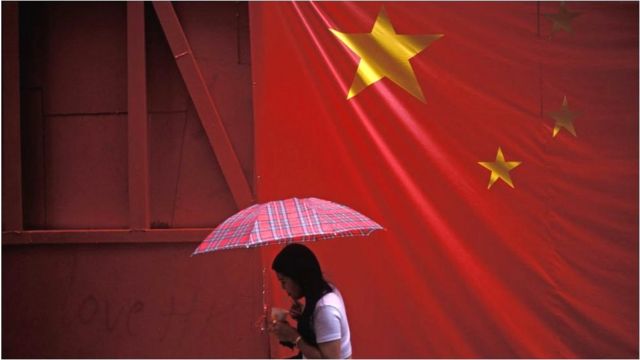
384, 53
564, 119
562, 20
500, 169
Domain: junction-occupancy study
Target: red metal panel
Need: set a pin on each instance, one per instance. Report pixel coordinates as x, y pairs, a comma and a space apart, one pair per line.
33, 165
62, 74
197, 187
187, 185
214, 29
166, 141
218, 36
137, 119
86, 180
130, 301
11, 163
33, 26
85, 58
166, 90
202, 196
204, 104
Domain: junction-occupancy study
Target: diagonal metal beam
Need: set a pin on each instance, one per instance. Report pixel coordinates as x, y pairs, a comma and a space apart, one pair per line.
137, 118
204, 104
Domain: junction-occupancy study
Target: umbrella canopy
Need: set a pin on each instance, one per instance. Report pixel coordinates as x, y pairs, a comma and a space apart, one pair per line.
283, 221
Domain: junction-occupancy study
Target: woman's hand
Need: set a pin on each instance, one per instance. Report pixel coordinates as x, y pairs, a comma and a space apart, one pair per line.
296, 310
284, 331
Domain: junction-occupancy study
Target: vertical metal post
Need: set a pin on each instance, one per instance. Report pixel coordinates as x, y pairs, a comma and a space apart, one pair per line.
12, 217
137, 118
204, 104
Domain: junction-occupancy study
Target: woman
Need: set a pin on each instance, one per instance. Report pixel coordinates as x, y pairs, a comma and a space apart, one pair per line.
323, 329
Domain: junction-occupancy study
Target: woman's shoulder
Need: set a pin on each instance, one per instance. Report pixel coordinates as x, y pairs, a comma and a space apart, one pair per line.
333, 298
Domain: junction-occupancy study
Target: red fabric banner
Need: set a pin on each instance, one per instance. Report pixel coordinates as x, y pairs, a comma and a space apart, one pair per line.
497, 143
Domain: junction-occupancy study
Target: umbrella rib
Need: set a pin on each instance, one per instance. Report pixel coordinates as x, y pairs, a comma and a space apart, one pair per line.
300, 216
272, 227
285, 219
255, 232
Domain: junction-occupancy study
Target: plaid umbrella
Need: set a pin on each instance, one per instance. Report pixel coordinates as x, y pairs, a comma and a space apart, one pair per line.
290, 220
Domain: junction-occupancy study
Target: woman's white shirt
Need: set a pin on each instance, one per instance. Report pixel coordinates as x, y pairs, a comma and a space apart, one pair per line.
330, 322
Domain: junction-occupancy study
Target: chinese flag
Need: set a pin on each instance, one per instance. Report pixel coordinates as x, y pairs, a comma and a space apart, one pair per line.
497, 143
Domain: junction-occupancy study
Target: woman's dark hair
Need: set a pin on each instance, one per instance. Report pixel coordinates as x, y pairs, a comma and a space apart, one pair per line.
299, 263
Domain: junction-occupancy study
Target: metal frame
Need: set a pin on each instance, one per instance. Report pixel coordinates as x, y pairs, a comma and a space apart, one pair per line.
204, 104
139, 231
138, 118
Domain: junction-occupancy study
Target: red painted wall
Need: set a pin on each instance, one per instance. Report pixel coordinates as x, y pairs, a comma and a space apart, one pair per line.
129, 299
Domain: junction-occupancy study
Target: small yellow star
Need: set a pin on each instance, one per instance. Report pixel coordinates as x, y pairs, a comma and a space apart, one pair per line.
564, 119
384, 53
562, 20
500, 169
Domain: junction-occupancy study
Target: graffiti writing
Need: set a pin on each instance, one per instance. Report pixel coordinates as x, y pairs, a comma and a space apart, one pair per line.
91, 310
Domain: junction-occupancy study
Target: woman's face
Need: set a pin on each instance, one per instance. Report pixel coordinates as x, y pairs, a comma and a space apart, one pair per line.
291, 287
